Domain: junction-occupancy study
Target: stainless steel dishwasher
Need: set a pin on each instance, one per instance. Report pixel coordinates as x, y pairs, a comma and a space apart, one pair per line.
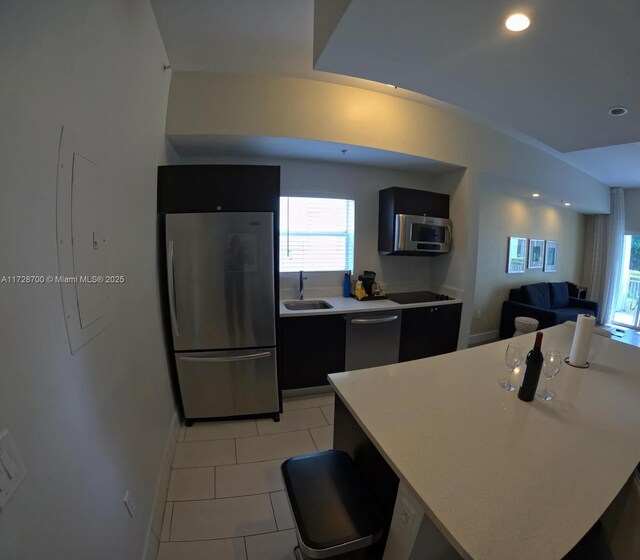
373, 339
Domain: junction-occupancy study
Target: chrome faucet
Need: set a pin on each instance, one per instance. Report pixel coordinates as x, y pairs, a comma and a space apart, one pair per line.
301, 284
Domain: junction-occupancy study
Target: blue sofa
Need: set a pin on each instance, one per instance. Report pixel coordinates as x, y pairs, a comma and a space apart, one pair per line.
548, 302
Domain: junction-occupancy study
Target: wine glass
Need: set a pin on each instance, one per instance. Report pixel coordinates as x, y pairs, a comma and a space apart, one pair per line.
513, 358
550, 368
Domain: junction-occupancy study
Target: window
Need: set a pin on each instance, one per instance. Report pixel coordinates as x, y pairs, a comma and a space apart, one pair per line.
627, 311
316, 234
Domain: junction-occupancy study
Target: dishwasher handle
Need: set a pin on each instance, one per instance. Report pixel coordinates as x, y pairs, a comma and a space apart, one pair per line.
374, 321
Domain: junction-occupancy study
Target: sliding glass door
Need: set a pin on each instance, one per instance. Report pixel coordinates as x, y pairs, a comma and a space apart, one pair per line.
627, 311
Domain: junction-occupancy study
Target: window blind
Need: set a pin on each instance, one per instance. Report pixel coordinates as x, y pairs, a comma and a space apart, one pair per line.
316, 234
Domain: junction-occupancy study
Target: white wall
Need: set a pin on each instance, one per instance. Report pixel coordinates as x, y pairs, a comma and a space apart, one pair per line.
632, 211
503, 215
91, 425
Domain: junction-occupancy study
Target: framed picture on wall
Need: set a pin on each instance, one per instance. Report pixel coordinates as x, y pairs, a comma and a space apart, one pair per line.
516, 254
551, 256
536, 253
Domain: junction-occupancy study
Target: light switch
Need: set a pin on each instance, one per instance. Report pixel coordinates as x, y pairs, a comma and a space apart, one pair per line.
12, 471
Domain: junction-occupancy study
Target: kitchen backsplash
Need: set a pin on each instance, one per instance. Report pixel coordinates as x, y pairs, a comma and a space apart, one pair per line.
329, 284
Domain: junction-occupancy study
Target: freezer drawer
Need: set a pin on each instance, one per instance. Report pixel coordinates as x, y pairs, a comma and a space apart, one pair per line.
228, 383
373, 339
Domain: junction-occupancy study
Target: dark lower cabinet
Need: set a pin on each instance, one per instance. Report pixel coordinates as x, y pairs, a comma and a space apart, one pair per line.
429, 331
310, 349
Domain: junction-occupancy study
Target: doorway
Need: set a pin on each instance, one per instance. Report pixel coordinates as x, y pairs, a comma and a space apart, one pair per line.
627, 311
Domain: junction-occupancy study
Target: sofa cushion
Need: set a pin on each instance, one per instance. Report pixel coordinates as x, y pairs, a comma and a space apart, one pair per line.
515, 295
536, 295
559, 294
571, 313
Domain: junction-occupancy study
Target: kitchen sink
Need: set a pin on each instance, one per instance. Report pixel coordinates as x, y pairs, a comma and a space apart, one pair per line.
303, 305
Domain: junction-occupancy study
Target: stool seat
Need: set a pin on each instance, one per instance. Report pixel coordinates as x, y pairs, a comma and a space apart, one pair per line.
525, 325
333, 510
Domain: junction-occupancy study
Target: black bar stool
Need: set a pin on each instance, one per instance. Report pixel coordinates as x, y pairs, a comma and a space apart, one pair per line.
335, 516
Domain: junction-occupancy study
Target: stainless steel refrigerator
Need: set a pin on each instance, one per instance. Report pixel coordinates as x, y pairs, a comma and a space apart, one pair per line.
220, 278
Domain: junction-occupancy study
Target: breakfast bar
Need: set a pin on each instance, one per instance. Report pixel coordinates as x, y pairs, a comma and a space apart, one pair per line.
498, 477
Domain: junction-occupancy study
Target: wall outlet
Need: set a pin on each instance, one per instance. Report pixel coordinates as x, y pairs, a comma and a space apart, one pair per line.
129, 503
12, 471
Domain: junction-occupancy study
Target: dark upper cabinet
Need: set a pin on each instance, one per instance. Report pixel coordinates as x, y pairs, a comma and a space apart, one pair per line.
397, 200
218, 188
311, 348
429, 331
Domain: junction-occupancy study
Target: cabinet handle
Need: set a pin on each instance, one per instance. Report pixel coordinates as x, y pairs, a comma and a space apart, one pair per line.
374, 321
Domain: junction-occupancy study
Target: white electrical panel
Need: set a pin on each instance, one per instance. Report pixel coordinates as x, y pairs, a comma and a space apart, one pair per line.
88, 254
12, 471
81, 239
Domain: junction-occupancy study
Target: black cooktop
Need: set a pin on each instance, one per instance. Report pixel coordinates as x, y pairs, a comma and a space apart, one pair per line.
416, 297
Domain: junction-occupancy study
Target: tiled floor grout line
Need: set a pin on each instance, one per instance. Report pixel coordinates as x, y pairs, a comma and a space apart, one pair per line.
313, 440
246, 551
261, 435
202, 467
291, 431
221, 438
234, 464
273, 511
231, 537
171, 520
226, 497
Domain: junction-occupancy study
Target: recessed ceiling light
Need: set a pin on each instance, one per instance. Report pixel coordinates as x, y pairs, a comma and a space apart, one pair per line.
391, 85
535, 195
517, 22
567, 204
618, 111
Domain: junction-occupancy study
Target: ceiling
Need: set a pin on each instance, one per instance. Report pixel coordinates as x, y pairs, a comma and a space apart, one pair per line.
550, 85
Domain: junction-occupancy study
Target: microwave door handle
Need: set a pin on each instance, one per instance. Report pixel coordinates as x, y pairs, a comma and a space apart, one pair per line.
171, 278
447, 236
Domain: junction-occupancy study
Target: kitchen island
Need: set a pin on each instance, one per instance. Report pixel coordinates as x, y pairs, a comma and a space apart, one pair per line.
502, 479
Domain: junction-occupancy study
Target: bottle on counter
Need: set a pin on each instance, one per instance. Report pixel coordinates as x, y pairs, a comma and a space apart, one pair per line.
534, 362
346, 285
360, 292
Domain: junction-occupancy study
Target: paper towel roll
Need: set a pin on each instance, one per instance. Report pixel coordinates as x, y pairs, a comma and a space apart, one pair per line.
582, 340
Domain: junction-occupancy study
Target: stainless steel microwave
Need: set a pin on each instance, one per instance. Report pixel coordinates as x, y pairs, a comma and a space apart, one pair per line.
422, 234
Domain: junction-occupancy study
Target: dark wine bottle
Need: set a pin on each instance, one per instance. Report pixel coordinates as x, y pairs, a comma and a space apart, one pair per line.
527, 391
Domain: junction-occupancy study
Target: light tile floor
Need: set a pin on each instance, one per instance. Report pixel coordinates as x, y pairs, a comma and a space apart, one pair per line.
226, 498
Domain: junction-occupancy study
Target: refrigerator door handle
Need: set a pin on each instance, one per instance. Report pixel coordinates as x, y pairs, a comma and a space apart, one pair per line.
236, 358
377, 320
171, 276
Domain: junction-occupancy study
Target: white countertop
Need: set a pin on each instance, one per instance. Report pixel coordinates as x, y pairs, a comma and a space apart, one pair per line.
501, 478
352, 305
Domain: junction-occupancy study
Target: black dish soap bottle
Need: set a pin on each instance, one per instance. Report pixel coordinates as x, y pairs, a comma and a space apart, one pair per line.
534, 361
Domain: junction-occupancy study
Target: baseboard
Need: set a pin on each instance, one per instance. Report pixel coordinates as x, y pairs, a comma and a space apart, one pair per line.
160, 497
483, 338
